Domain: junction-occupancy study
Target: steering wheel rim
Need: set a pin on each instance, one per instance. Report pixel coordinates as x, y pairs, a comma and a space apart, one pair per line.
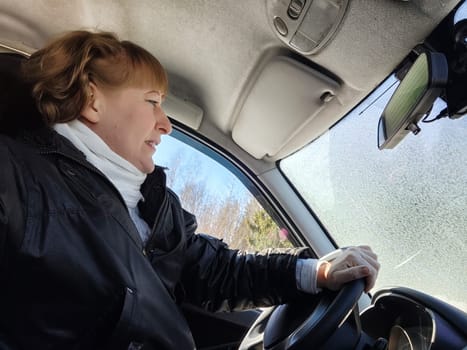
329, 309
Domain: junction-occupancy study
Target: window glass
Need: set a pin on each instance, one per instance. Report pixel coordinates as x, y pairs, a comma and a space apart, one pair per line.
223, 205
409, 203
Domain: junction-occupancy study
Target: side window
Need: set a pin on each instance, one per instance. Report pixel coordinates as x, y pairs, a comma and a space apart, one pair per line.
223, 205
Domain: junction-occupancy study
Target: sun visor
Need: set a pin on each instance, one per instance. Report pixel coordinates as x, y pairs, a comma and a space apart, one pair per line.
15, 47
286, 97
183, 111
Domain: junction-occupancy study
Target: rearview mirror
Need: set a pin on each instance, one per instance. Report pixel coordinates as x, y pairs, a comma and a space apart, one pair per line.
412, 99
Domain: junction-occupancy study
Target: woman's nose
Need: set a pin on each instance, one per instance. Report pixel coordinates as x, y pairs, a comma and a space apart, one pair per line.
163, 124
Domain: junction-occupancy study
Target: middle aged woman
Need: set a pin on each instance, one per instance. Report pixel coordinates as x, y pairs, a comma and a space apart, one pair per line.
95, 251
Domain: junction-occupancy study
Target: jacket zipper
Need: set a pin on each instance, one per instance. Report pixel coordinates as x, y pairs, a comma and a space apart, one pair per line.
149, 244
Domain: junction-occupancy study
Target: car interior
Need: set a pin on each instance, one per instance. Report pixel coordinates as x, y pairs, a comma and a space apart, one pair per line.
254, 82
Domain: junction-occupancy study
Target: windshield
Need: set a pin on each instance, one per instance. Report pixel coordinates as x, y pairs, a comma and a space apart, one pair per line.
409, 203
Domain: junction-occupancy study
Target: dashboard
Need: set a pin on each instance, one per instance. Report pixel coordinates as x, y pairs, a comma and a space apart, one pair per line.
405, 319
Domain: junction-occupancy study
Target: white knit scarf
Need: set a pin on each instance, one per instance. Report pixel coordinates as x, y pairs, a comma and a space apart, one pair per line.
124, 175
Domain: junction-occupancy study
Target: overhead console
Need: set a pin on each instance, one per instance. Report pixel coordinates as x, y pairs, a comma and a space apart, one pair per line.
306, 25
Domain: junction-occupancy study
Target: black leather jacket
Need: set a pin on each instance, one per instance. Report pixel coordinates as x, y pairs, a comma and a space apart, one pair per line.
74, 273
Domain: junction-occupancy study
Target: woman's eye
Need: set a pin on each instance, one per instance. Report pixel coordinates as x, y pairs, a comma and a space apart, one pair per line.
153, 102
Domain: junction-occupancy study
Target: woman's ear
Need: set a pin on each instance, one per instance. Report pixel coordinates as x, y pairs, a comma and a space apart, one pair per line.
92, 109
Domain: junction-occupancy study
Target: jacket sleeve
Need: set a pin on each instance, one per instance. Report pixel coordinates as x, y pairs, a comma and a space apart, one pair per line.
221, 279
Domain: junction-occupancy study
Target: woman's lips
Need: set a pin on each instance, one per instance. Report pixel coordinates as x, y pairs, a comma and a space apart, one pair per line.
151, 144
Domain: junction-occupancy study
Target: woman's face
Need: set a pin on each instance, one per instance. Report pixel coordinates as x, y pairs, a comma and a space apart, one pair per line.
130, 121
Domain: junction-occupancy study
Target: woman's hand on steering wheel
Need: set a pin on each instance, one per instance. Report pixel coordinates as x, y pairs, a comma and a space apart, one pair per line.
349, 264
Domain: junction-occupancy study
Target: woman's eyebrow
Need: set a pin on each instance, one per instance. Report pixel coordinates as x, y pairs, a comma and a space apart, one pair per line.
154, 92
161, 95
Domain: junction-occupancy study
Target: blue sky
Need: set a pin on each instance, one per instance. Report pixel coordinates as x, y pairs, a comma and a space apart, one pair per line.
220, 180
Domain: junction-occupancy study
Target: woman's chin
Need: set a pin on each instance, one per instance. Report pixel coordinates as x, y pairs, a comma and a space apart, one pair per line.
147, 168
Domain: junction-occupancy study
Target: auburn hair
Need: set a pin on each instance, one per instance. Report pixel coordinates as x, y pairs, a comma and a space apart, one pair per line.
60, 73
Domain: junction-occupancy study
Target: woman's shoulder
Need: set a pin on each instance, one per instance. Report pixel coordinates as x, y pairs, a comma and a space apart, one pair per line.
16, 149
23, 162
11, 148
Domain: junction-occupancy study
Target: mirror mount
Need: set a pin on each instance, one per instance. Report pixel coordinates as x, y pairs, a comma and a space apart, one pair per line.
424, 82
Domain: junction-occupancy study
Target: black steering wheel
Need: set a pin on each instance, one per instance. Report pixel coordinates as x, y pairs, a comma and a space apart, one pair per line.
310, 321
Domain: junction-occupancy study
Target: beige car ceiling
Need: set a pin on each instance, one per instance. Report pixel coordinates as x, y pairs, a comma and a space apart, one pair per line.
233, 76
